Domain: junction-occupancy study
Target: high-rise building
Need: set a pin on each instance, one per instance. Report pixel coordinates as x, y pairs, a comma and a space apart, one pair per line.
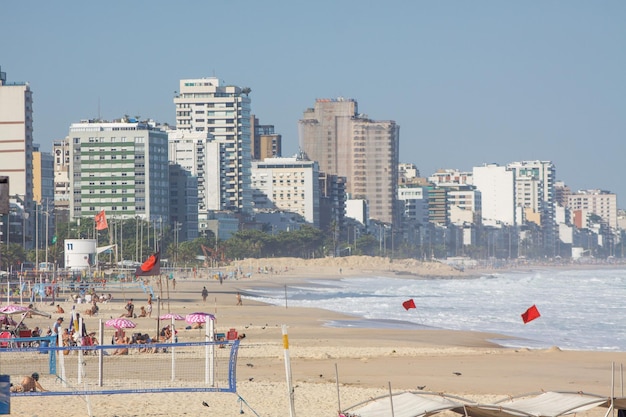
16, 155
497, 187
191, 150
120, 167
43, 195
288, 184
62, 195
265, 143
332, 201
534, 195
350, 145
43, 177
183, 203
205, 105
597, 202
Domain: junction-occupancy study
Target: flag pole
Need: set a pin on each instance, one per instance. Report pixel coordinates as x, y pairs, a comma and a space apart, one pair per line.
337, 381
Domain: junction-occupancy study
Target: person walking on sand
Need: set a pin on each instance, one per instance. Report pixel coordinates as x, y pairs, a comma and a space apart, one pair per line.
239, 303
205, 294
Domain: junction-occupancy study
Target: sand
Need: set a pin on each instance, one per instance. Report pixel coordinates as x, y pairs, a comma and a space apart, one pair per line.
366, 361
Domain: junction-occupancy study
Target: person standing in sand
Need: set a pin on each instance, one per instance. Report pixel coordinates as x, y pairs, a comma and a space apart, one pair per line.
205, 294
239, 303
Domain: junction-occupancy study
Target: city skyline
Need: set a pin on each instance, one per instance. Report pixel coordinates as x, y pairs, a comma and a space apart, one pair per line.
468, 84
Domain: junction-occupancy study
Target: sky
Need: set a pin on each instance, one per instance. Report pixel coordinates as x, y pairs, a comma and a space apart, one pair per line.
468, 82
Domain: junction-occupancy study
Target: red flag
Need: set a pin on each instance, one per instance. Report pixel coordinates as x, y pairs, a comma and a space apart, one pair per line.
151, 266
530, 314
408, 304
101, 221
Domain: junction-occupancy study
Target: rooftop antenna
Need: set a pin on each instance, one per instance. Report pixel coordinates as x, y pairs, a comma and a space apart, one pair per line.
99, 109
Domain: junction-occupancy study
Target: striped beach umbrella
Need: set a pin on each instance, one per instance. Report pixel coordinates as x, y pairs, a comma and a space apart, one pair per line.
170, 316
199, 317
120, 323
13, 309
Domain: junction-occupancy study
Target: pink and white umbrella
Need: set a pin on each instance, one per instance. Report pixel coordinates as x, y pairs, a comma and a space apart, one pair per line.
13, 309
120, 323
199, 317
18, 309
170, 316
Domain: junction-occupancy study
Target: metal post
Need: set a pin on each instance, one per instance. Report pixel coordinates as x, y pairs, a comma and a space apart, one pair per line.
37, 235
292, 410
47, 232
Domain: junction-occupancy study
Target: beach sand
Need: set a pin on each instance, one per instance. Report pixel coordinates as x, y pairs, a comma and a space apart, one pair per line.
367, 361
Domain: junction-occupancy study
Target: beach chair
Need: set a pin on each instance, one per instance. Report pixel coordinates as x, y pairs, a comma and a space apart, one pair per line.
25, 333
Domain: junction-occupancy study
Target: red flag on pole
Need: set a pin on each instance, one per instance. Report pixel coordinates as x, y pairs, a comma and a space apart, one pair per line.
530, 314
101, 221
151, 266
408, 304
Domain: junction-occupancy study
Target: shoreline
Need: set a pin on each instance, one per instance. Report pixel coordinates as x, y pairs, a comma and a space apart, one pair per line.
464, 363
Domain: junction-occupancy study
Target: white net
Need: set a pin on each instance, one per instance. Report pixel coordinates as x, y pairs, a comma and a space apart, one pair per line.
118, 369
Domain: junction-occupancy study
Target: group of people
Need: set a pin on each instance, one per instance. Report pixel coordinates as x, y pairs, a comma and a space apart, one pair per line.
144, 340
143, 311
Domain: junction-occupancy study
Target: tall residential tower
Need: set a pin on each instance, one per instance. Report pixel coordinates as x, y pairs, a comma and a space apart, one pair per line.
205, 105
349, 144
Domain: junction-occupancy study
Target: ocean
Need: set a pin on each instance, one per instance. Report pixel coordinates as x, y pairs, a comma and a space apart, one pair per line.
581, 309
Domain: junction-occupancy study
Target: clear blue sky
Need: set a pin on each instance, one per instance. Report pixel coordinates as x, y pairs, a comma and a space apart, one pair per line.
468, 82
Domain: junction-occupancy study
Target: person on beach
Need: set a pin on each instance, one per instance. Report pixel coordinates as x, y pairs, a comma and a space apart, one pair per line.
205, 294
149, 307
130, 309
28, 384
239, 303
58, 325
59, 309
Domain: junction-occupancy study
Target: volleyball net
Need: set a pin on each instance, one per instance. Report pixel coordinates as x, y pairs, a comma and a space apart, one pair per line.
121, 369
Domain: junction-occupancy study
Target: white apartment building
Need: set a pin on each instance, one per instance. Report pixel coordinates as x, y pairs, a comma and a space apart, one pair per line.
206, 105
190, 150
534, 188
497, 187
16, 151
120, 167
287, 184
464, 202
598, 202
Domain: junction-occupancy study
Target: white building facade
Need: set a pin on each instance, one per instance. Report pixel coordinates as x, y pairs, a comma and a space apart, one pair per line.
289, 184
497, 187
223, 111
16, 151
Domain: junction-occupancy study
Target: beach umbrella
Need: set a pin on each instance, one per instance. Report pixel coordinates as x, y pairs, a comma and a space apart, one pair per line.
199, 317
170, 316
18, 309
13, 309
120, 323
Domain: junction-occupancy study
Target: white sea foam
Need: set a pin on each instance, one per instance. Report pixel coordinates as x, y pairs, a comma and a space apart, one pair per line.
580, 309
